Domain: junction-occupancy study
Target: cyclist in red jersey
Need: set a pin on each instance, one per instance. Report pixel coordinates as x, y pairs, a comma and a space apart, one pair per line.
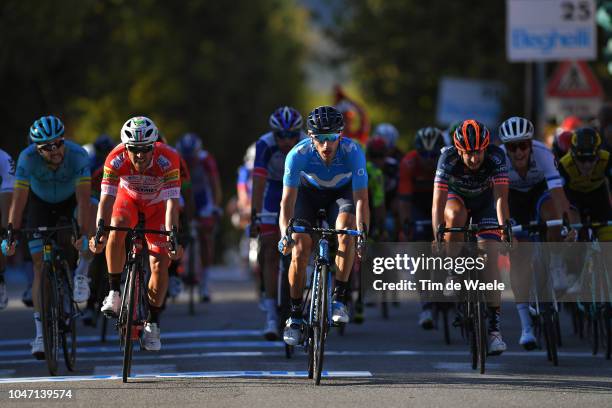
140, 175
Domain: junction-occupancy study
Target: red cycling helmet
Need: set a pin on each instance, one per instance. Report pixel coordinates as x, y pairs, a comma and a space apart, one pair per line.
561, 143
471, 136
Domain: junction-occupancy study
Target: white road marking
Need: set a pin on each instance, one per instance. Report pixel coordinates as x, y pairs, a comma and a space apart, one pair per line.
136, 369
460, 367
200, 374
205, 334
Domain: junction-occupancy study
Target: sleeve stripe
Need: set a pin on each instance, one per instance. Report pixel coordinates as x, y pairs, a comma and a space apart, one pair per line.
23, 184
260, 171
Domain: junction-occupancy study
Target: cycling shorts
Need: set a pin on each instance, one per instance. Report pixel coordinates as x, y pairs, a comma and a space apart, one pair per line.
333, 201
481, 209
128, 208
595, 204
525, 205
41, 213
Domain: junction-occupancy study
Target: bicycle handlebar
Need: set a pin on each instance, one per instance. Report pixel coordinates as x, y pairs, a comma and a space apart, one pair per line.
307, 230
173, 234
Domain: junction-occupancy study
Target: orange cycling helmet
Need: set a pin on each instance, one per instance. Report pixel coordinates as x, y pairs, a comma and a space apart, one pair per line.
471, 136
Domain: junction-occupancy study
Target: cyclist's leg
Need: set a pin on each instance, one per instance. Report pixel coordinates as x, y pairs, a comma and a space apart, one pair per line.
341, 213
125, 212
82, 291
206, 227
269, 237
159, 261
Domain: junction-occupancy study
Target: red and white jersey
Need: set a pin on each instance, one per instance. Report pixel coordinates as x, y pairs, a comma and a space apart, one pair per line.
161, 181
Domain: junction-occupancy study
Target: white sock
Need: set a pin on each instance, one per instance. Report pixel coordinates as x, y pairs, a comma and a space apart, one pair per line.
38, 324
270, 306
82, 266
523, 312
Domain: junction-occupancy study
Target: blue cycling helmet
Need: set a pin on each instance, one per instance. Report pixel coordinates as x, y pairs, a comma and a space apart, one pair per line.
104, 143
325, 119
285, 118
189, 144
46, 129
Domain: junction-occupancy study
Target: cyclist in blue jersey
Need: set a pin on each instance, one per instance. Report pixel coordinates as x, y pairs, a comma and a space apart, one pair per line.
7, 179
270, 152
53, 178
472, 181
324, 171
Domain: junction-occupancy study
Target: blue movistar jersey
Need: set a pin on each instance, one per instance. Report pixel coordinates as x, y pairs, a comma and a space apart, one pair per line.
304, 166
53, 186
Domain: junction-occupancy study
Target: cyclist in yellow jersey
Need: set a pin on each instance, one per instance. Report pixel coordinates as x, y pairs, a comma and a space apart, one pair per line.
587, 171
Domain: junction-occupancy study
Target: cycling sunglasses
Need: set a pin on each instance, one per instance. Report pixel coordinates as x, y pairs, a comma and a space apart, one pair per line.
287, 134
139, 149
326, 137
50, 147
522, 145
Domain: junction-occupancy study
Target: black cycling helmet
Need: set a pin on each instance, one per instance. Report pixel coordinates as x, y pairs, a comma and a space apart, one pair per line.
429, 139
585, 142
325, 119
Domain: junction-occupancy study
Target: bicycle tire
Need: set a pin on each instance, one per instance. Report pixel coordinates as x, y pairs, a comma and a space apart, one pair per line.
446, 328
320, 328
310, 345
550, 335
470, 328
68, 319
594, 330
607, 315
191, 277
481, 329
129, 320
50, 318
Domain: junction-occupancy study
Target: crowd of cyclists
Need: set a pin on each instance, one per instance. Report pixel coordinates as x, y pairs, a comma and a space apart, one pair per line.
326, 160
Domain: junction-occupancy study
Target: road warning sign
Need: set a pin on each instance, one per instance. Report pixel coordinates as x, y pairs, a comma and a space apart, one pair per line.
573, 90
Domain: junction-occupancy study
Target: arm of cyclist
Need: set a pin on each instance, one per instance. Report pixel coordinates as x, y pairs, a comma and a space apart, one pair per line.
440, 196
500, 195
287, 207
362, 212
18, 203
105, 211
83, 194
172, 220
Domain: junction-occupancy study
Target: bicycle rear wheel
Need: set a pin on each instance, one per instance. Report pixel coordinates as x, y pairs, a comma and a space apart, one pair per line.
68, 315
128, 318
320, 328
50, 317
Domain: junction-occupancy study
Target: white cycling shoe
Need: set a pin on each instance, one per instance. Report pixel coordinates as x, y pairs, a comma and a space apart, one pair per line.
271, 330
81, 289
38, 348
292, 334
111, 304
339, 312
3, 296
151, 338
496, 344
528, 340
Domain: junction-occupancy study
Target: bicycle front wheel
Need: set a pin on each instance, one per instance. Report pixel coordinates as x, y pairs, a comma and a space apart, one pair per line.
320, 328
481, 331
128, 320
68, 313
50, 317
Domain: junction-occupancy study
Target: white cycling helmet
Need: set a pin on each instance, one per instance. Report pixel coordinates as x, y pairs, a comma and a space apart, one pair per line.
249, 157
388, 133
515, 129
139, 131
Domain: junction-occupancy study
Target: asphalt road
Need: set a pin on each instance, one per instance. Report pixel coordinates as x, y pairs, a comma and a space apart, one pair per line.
218, 358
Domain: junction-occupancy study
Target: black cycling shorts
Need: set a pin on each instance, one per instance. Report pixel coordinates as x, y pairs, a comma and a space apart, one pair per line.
594, 204
525, 205
481, 209
41, 213
334, 201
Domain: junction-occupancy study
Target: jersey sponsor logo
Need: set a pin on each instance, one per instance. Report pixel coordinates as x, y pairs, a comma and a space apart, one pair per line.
349, 147
361, 172
11, 166
287, 171
117, 162
171, 176
163, 163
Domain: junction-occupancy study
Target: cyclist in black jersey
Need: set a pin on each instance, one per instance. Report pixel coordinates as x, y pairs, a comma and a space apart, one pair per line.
472, 181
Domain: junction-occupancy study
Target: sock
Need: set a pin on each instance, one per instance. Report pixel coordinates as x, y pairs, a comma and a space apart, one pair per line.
154, 312
494, 319
83, 266
296, 308
38, 324
270, 306
523, 312
114, 280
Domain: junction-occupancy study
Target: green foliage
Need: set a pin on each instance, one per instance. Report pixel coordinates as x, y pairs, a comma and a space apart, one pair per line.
401, 49
216, 68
